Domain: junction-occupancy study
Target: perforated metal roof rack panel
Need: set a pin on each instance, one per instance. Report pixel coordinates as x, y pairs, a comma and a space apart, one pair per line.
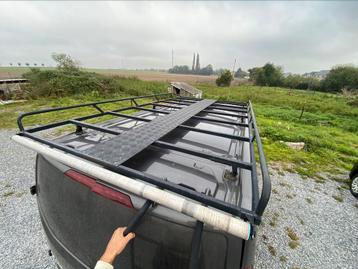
114, 152
126, 145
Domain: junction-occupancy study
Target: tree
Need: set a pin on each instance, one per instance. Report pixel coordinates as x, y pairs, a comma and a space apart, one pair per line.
27, 64
35, 64
42, 65
207, 71
10, 64
240, 73
225, 78
193, 66
197, 65
268, 75
65, 62
180, 69
19, 64
341, 77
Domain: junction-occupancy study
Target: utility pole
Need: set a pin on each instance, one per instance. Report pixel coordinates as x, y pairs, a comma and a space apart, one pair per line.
233, 68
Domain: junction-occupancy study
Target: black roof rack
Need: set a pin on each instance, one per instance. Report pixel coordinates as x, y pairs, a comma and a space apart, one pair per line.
176, 112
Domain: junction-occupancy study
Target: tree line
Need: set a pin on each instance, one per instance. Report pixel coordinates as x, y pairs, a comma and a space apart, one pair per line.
338, 78
27, 64
195, 68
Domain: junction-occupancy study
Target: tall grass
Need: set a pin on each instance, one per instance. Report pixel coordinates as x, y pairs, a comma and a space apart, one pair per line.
328, 126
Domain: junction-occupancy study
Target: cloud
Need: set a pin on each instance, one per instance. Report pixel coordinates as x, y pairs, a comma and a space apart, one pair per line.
298, 36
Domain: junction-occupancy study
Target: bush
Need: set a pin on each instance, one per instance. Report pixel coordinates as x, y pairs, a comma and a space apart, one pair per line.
268, 75
44, 83
341, 77
302, 83
225, 78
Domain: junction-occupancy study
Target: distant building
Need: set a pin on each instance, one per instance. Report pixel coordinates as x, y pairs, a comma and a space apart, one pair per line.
317, 74
184, 89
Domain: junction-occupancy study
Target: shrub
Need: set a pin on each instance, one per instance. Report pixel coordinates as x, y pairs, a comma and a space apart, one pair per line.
268, 75
341, 77
302, 83
57, 82
65, 62
225, 78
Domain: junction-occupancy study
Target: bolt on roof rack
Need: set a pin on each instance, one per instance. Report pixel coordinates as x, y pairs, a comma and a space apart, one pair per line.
176, 114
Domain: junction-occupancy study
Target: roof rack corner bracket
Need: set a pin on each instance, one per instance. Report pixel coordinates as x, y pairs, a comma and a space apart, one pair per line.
98, 108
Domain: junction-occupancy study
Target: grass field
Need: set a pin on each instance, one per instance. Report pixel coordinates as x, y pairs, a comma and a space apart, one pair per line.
328, 126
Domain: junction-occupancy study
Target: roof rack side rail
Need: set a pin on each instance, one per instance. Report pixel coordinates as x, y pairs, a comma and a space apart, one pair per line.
93, 104
266, 182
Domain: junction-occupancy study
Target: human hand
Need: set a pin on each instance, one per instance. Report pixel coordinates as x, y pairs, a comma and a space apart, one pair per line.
116, 245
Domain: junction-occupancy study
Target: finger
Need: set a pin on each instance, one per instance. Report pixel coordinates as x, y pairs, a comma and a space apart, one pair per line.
129, 236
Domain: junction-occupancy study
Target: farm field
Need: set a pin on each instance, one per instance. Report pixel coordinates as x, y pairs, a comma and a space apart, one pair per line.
328, 125
15, 72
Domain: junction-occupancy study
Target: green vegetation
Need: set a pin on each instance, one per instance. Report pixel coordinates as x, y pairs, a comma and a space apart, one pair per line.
272, 250
8, 194
291, 234
328, 126
283, 258
309, 200
224, 78
339, 78
293, 244
338, 198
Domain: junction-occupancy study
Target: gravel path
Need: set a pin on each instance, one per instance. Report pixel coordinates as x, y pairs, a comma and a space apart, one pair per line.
322, 228
321, 219
22, 241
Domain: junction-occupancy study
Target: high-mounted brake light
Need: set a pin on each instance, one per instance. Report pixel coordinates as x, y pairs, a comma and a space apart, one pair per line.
100, 189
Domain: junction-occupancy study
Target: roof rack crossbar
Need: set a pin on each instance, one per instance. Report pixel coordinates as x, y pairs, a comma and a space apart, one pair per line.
229, 106
223, 113
195, 129
231, 103
220, 121
182, 100
223, 160
128, 116
228, 109
176, 103
146, 109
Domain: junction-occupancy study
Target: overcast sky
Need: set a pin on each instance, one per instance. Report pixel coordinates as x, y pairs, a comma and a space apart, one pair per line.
300, 37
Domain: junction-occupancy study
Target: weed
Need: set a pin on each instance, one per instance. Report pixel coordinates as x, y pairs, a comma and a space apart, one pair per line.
338, 198
272, 250
19, 194
309, 200
289, 196
285, 184
283, 258
291, 234
293, 244
274, 191
273, 221
8, 194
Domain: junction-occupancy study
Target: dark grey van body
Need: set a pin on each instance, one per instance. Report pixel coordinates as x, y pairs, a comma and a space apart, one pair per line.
79, 221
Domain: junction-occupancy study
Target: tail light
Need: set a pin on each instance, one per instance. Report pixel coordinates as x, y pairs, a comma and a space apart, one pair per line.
100, 189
